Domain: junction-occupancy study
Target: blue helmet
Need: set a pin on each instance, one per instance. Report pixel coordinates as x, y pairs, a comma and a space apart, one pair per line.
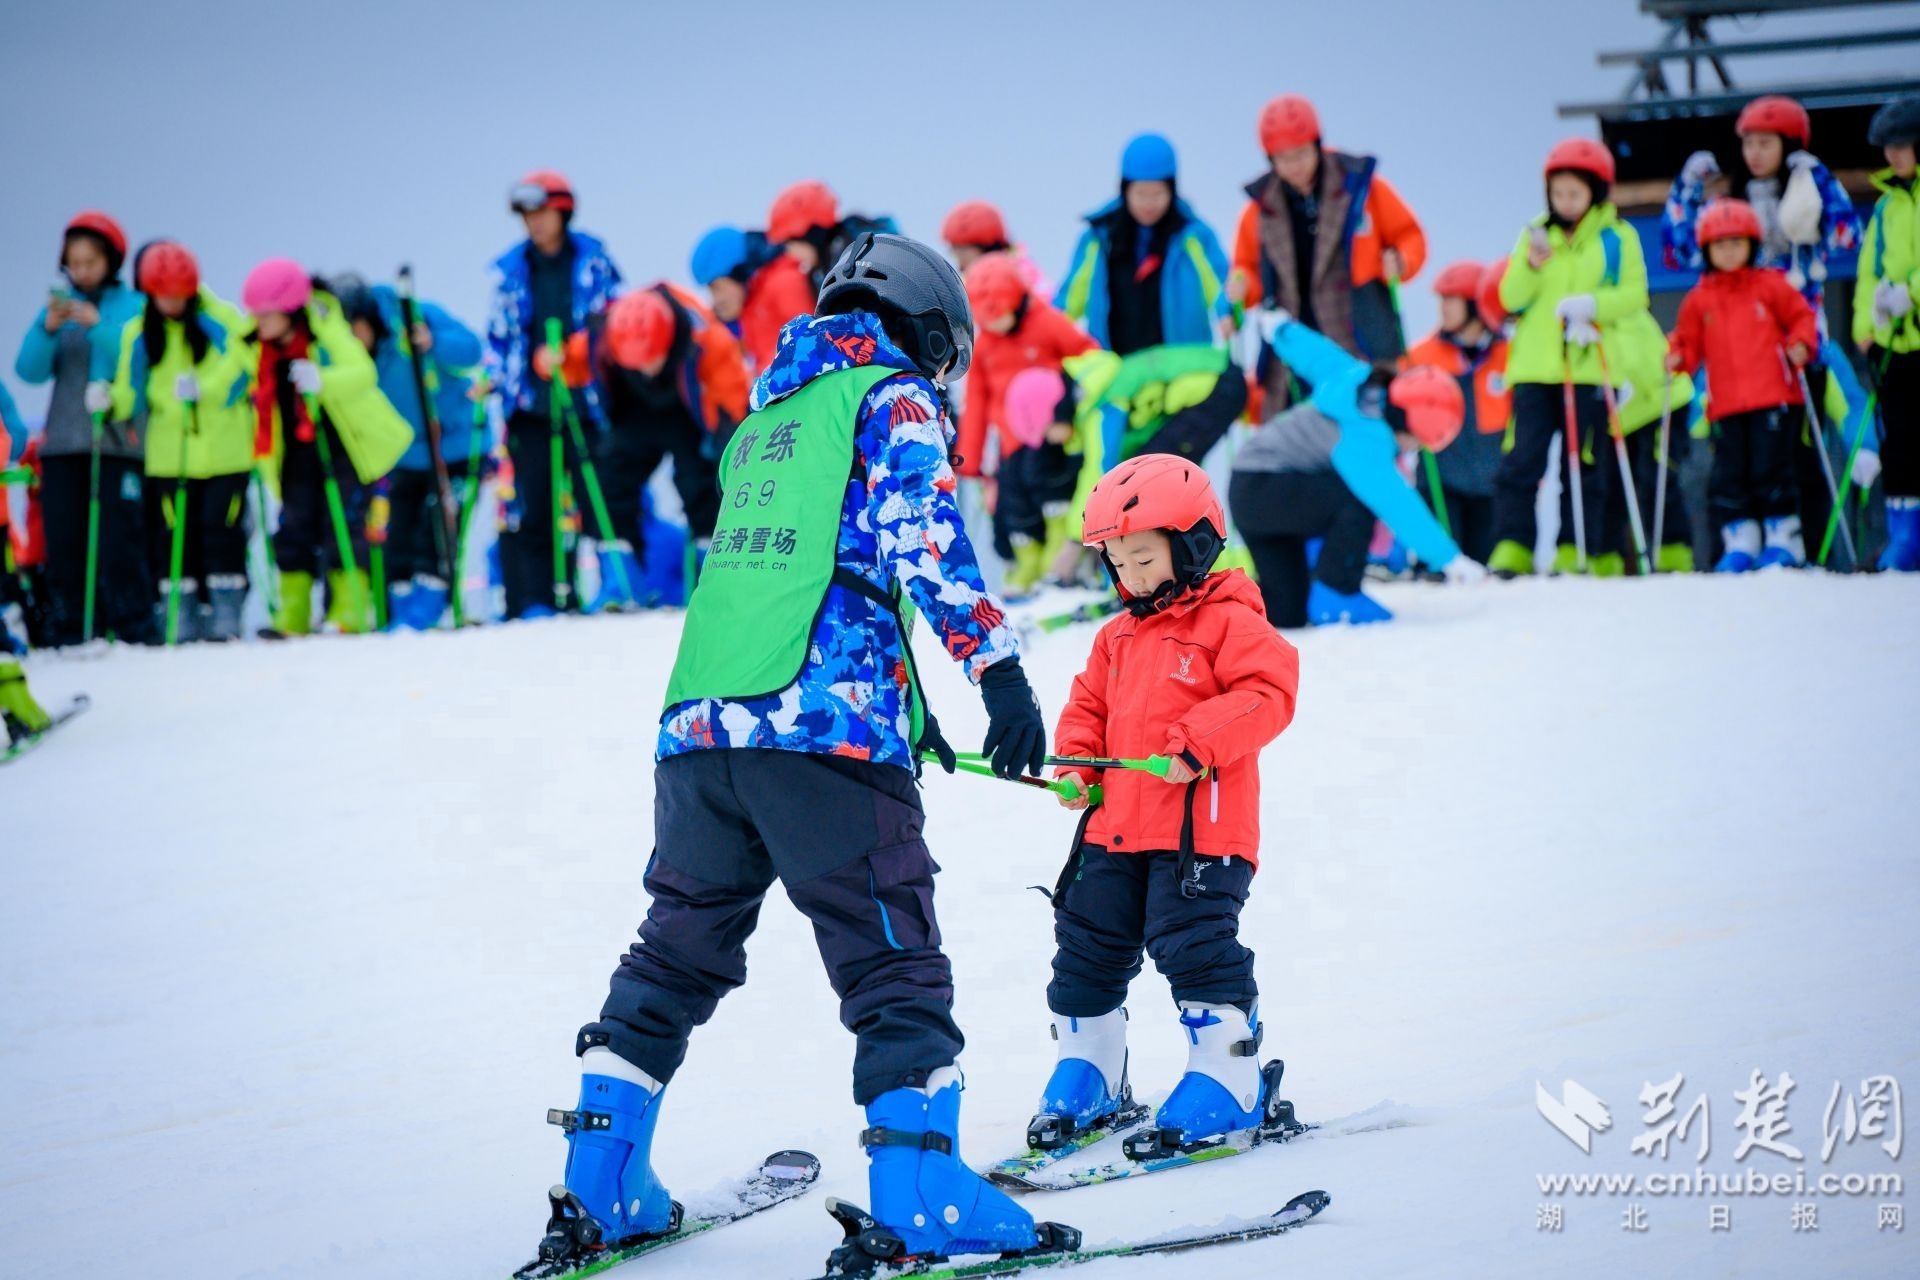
1148, 158
721, 252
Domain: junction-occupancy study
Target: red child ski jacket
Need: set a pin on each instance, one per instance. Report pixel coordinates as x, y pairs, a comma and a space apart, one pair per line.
1045, 338
1738, 324
1208, 676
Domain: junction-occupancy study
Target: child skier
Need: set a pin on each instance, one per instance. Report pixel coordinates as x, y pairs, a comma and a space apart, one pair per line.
1470, 349
184, 369
1037, 480
724, 262
1191, 670
1752, 332
1887, 331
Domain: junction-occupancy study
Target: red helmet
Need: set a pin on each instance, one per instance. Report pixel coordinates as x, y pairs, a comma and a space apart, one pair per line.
541, 189
164, 269
1433, 402
1459, 280
976, 223
1287, 122
1582, 155
1727, 219
1487, 301
799, 209
1159, 491
994, 287
640, 328
1776, 114
92, 220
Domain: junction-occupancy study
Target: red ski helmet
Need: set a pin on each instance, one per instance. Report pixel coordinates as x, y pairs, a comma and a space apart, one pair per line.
1776, 113
640, 328
976, 223
1492, 313
95, 223
1433, 402
1581, 155
541, 189
799, 209
1159, 491
1459, 280
1286, 122
994, 288
165, 269
1728, 219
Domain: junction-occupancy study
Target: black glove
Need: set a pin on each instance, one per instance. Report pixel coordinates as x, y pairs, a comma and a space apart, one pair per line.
931, 740
1016, 732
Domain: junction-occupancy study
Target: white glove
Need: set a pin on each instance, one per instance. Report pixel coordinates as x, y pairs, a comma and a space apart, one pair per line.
186, 387
1866, 469
1582, 334
99, 397
305, 376
1701, 167
1464, 571
1800, 204
1891, 301
1578, 308
1801, 162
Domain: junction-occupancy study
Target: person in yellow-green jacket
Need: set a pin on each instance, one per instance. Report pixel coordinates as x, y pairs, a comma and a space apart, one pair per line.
182, 368
1886, 328
1637, 355
318, 410
1575, 275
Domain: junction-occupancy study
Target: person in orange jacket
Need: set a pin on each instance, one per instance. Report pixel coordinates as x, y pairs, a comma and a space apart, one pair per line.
1754, 333
1193, 671
1312, 194
1470, 348
806, 223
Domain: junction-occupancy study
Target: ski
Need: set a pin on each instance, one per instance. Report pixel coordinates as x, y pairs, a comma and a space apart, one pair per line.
20, 746
1302, 1208
782, 1176
1015, 1172
1234, 1144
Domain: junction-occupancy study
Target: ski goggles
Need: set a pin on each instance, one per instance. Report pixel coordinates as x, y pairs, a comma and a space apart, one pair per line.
530, 197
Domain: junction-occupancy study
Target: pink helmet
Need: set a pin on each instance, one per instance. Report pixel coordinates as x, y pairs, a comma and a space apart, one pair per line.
1031, 398
278, 284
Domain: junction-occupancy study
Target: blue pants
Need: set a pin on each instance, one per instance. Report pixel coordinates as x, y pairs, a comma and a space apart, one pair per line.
1118, 904
844, 838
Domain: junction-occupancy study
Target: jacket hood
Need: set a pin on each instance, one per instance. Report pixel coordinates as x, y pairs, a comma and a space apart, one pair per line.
811, 346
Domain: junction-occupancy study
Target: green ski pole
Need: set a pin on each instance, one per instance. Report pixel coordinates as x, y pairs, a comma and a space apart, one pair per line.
1155, 765
1853, 451
379, 515
93, 530
556, 461
1068, 788
1439, 495
563, 396
179, 556
335, 507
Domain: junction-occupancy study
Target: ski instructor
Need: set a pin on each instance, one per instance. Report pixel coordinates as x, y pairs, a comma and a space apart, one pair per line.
788, 750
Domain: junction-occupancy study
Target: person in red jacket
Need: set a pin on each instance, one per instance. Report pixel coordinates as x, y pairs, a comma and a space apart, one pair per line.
1752, 332
1192, 671
1016, 330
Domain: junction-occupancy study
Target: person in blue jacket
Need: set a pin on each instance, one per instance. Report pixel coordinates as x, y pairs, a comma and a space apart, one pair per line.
1146, 271
1326, 469
420, 546
556, 273
74, 343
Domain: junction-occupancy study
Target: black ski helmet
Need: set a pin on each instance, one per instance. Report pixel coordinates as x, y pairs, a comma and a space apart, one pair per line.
357, 301
915, 291
1896, 124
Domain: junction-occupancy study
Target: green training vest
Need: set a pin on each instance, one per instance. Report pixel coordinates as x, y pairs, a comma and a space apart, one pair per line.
772, 559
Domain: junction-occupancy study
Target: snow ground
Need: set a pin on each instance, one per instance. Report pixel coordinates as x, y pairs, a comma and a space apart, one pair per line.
294, 940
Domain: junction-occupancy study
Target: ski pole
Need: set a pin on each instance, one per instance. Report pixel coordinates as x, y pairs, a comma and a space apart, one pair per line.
335, 507
1627, 489
602, 520
1826, 466
1660, 467
426, 385
1573, 459
93, 530
469, 497
1439, 494
1155, 765
1853, 451
556, 460
178, 558
270, 574
379, 515
1066, 787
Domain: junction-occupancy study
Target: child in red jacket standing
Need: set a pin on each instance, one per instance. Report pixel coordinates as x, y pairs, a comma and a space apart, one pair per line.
1753, 332
1192, 670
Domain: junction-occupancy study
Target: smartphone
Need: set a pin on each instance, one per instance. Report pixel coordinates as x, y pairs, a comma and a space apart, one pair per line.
59, 291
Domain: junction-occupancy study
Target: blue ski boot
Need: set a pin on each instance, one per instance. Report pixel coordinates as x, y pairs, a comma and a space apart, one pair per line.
926, 1202
619, 577
1088, 1087
1742, 539
1325, 607
1784, 547
1903, 536
610, 1194
1224, 1090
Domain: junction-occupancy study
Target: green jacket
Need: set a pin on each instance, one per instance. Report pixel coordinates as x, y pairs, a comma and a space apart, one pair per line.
221, 441
1602, 257
1890, 250
1124, 399
371, 429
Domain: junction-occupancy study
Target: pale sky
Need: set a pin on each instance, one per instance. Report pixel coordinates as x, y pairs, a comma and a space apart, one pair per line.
366, 133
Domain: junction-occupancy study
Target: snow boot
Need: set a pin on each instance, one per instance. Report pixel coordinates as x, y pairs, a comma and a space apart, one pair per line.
926, 1202
1675, 557
1903, 536
228, 592
610, 1193
1089, 1082
619, 577
1325, 607
348, 601
293, 615
1784, 546
1742, 539
1510, 560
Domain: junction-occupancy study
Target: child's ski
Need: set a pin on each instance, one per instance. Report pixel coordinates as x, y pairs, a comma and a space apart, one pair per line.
1013, 1173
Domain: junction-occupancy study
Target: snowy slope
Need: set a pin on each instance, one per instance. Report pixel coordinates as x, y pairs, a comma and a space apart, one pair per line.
294, 940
